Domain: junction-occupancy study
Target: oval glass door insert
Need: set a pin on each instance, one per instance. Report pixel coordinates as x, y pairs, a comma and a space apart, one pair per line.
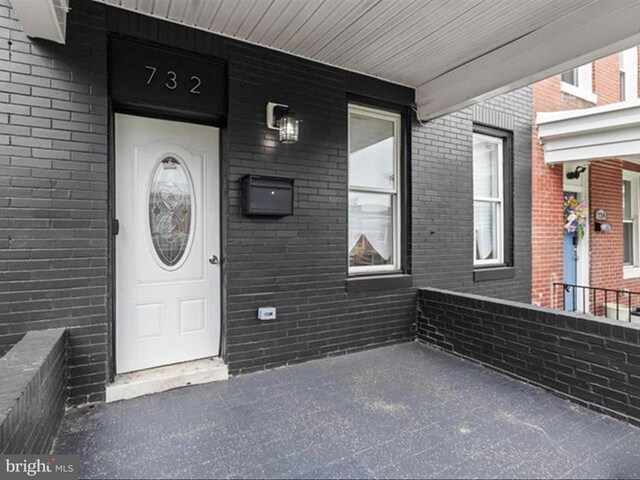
170, 210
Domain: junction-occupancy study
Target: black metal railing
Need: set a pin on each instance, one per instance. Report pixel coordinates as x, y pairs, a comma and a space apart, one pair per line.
607, 302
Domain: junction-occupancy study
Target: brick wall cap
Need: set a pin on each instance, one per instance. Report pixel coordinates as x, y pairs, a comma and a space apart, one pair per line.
536, 310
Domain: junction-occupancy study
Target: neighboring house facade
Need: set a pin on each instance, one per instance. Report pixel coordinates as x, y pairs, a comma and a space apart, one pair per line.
126, 217
584, 152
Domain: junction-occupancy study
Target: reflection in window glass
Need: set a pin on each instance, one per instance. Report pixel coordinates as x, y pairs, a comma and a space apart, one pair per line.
170, 205
570, 77
374, 221
370, 229
485, 219
626, 200
488, 204
486, 168
371, 152
628, 243
628, 222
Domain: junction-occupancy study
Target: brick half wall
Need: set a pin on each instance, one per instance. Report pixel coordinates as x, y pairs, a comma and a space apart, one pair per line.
33, 392
593, 361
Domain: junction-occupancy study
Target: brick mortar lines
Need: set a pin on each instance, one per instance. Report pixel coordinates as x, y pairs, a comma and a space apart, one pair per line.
592, 361
59, 159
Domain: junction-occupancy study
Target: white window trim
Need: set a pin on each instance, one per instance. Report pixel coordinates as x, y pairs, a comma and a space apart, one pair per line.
584, 89
499, 200
633, 271
395, 192
629, 65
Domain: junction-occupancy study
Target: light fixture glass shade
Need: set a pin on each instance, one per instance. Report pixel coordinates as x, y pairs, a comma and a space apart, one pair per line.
288, 129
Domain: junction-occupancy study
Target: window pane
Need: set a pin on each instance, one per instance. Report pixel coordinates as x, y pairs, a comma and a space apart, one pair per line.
170, 203
370, 229
571, 77
485, 224
371, 152
627, 257
486, 161
626, 200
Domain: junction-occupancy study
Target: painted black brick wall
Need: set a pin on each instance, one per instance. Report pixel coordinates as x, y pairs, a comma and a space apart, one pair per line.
592, 360
442, 186
33, 392
53, 190
296, 264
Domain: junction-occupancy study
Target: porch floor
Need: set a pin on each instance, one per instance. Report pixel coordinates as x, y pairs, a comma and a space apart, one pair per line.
395, 412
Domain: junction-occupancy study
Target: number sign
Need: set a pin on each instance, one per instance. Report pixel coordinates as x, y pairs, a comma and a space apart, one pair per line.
166, 80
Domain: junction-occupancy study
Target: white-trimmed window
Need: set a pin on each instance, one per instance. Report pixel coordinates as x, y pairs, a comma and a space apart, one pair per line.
628, 74
374, 190
488, 200
630, 197
577, 82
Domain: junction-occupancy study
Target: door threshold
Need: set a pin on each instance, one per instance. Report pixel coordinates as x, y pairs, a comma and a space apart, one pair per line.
160, 379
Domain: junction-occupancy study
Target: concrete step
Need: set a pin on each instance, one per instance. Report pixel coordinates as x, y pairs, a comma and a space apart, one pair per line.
160, 379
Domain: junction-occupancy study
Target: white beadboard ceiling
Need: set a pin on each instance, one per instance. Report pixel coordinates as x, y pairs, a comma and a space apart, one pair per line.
453, 52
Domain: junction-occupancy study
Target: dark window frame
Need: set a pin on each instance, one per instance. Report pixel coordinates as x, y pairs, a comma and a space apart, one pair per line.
508, 194
405, 188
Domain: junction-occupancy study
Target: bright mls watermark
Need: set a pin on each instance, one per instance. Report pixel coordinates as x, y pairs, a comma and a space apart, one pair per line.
52, 467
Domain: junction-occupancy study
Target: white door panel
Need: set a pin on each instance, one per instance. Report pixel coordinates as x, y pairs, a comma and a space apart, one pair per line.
167, 292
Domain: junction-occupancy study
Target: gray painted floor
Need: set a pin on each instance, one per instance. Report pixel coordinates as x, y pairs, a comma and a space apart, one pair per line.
404, 411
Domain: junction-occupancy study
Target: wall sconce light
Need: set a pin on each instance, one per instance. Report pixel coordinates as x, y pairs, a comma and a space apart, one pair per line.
576, 173
280, 118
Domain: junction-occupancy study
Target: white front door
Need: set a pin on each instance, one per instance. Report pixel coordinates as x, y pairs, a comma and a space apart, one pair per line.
167, 283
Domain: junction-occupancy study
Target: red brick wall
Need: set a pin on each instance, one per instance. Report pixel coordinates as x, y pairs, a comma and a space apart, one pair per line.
606, 79
546, 191
605, 191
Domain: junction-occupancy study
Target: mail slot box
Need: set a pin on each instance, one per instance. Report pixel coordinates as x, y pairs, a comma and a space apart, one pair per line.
269, 196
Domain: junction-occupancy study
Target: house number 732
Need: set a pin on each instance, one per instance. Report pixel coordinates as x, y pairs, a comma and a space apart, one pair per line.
171, 80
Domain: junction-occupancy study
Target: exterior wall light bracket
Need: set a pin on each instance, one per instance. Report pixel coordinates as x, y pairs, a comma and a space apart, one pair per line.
274, 112
280, 118
576, 173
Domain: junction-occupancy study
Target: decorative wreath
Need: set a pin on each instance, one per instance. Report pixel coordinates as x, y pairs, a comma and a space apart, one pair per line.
575, 216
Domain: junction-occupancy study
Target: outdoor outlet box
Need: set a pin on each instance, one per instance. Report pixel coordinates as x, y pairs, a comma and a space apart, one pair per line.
267, 313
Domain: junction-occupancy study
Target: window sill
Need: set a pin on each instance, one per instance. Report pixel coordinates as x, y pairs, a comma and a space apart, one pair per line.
495, 273
378, 282
578, 92
630, 272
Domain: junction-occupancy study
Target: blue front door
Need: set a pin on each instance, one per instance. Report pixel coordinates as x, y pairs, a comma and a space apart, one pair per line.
570, 269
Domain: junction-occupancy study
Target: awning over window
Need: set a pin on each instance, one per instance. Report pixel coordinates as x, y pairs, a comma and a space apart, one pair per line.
609, 131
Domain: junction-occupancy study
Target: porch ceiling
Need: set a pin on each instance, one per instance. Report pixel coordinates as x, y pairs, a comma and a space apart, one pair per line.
453, 52
605, 132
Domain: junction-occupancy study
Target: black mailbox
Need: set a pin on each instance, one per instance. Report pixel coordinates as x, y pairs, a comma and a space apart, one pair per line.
269, 196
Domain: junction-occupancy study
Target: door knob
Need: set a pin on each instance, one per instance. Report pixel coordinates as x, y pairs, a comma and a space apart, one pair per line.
213, 260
